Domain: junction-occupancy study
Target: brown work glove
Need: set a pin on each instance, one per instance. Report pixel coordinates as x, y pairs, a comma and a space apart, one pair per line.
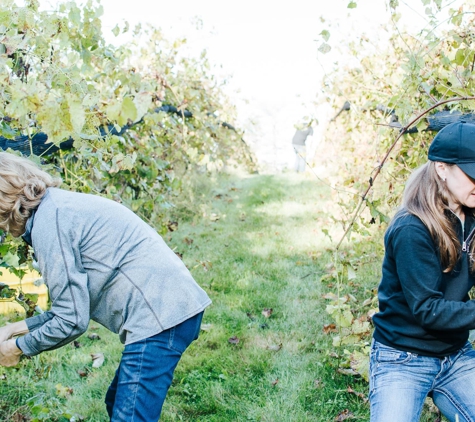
9, 353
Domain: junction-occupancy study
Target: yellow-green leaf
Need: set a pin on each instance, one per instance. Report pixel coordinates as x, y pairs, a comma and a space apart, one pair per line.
78, 116
142, 101
11, 259
116, 30
325, 35
128, 111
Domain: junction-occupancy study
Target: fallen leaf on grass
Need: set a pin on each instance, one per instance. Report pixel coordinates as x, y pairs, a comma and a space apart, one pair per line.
63, 391
347, 371
267, 312
360, 395
250, 316
274, 347
206, 265
330, 296
214, 217
172, 226
367, 302
233, 340
188, 240
206, 327
344, 415
371, 313
97, 359
19, 417
93, 336
274, 383
82, 373
329, 328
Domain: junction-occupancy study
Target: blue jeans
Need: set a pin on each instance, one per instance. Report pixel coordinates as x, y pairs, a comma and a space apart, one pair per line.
146, 371
400, 382
300, 164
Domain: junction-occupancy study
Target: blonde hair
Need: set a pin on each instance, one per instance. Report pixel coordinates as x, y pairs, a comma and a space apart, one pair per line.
427, 197
22, 186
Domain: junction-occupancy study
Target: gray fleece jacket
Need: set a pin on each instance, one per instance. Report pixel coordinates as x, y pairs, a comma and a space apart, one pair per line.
100, 261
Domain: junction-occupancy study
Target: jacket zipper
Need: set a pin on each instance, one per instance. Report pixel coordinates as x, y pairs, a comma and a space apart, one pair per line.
466, 242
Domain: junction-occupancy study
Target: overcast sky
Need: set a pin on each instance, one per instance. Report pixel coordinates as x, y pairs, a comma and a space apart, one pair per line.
268, 49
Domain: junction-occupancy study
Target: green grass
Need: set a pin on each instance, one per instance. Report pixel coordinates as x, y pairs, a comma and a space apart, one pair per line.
266, 251
253, 243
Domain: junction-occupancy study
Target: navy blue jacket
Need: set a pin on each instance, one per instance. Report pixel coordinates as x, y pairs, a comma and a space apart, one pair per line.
422, 309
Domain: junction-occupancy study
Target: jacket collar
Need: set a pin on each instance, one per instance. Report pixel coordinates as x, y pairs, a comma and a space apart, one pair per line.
29, 223
469, 220
28, 227
469, 214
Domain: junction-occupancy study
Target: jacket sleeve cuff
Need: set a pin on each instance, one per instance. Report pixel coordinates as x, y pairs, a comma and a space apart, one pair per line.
23, 346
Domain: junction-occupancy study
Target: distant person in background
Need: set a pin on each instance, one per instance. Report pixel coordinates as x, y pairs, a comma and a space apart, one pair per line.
298, 142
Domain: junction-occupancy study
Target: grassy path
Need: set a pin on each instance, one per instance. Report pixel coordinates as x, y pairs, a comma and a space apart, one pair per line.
260, 247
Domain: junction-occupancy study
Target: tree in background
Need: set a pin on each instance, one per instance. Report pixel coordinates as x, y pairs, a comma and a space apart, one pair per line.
391, 85
132, 122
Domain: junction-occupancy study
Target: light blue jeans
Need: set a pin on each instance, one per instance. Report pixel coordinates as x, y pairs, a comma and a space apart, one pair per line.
146, 371
400, 382
300, 152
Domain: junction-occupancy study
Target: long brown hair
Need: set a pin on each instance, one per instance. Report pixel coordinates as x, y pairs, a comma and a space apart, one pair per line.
427, 197
22, 186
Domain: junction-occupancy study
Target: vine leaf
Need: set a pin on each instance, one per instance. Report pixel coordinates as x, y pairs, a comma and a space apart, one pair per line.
116, 30
325, 35
324, 48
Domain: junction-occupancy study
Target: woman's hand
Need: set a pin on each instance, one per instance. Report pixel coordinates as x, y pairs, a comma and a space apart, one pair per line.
9, 353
